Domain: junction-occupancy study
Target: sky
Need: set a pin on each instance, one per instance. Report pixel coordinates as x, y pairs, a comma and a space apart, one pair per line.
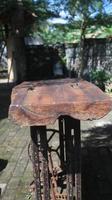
108, 6
61, 20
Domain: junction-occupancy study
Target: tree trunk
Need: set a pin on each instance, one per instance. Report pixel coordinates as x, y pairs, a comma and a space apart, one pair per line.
12, 74
17, 26
81, 52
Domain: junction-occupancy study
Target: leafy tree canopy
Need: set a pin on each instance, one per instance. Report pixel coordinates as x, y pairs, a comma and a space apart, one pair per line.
92, 15
34, 10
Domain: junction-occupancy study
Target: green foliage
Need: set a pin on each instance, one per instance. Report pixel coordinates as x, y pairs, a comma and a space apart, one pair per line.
50, 36
38, 7
78, 12
100, 78
109, 85
84, 7
55, 35
107, 32
87, 13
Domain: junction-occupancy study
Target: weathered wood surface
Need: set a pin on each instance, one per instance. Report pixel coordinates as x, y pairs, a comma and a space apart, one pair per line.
41, 103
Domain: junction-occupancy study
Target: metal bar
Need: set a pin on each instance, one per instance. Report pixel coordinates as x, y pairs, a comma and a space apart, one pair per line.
73, 157
53, 183
61, 140
69, 147
44, 154
36, 161
77, 153
71, 153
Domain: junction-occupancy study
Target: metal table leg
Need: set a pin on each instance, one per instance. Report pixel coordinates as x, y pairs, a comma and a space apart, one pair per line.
73, 158
70, 154
40, 162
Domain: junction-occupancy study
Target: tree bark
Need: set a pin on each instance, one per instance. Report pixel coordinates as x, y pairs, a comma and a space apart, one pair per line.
12, 74
17, 32
81, 52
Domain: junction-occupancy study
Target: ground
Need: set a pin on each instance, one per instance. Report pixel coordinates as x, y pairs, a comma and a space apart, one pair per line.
16, 168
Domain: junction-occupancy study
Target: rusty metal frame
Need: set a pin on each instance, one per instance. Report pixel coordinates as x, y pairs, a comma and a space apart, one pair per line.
40, 162
46, 177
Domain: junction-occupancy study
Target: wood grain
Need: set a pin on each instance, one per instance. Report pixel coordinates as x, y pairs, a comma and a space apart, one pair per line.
41, 103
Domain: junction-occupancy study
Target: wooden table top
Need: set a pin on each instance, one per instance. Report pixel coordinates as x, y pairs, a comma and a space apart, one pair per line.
42, 102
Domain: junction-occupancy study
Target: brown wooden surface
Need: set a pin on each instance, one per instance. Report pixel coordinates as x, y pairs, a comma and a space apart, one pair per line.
41, 103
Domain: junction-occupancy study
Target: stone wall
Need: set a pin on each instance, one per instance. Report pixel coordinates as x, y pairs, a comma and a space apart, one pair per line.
41, 60
98, 55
